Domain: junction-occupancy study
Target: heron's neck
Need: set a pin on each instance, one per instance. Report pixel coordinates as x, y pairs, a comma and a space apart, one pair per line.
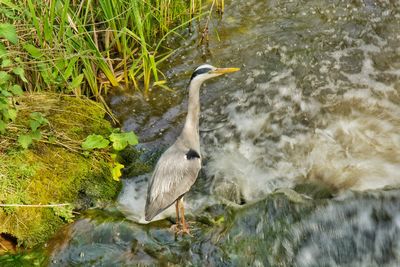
191, 127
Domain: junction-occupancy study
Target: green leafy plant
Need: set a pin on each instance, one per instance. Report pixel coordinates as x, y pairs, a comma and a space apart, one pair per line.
91, 47
121, 140
8, 32
12, 72
95, 141
118, 141
9, 72
36, 121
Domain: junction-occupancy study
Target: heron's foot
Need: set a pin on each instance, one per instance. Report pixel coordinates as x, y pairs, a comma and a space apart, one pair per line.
176, 228
179, 229
184, 231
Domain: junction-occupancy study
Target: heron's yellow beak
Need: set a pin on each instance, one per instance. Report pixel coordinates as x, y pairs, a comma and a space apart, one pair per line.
224, 70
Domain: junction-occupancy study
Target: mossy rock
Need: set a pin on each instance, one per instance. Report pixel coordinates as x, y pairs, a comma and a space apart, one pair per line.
52, 172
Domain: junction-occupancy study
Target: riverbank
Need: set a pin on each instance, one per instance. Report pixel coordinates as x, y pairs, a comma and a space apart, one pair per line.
52, 171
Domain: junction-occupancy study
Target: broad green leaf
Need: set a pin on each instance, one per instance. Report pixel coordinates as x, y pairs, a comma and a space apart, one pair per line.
36, 135
16, 90
116, 171
21, 73
37, 120
4, 77
33, 51
3, 126
8, 31
95, 141
118, 143
6, 63
34, 125
25, 140
131, 138
37, 116
10, 114
121, 140
76, 82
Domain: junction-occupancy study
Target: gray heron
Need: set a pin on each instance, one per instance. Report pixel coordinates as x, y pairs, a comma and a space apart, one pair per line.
178, 167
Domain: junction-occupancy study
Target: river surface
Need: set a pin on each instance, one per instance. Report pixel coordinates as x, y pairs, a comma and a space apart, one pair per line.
316, 103
316, 100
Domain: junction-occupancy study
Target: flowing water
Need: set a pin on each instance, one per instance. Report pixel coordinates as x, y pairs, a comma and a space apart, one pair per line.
316, 102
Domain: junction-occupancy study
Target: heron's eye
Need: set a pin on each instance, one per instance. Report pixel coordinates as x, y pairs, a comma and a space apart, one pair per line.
200, 71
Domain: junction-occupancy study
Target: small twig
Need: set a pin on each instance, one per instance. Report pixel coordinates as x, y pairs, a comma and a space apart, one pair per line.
34, 205
76, 150
205, 31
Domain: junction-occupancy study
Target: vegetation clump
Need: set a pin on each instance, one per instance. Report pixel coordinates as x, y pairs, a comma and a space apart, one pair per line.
54, 171
89, 47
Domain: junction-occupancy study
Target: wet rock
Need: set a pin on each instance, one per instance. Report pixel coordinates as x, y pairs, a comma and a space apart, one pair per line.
352, 230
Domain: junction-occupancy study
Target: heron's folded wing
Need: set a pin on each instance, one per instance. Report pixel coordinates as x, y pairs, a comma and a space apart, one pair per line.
173, 176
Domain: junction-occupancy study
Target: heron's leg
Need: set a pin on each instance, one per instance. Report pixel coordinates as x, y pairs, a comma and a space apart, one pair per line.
185, 228
177, 213
177, 227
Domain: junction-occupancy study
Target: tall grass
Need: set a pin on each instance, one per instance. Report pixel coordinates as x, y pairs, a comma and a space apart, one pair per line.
87, 47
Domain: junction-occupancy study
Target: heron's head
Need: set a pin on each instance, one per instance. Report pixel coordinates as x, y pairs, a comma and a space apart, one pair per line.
206, 71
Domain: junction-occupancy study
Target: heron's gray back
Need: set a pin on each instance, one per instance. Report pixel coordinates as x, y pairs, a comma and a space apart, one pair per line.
173, 176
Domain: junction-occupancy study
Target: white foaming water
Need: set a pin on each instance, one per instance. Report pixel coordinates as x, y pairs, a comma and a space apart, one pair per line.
277, 136
348, 138
360, 152
132, 200
249, 162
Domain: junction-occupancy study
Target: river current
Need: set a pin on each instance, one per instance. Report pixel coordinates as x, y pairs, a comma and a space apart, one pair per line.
316, 100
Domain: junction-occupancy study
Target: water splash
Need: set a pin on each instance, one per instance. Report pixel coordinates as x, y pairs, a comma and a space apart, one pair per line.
317, 98
333, 121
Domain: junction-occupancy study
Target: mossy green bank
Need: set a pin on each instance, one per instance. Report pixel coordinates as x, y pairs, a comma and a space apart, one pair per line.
53, 170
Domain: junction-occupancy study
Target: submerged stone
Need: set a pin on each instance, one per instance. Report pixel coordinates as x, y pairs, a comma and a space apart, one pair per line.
351, 230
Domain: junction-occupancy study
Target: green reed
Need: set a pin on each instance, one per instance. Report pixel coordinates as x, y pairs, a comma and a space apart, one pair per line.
87, 47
